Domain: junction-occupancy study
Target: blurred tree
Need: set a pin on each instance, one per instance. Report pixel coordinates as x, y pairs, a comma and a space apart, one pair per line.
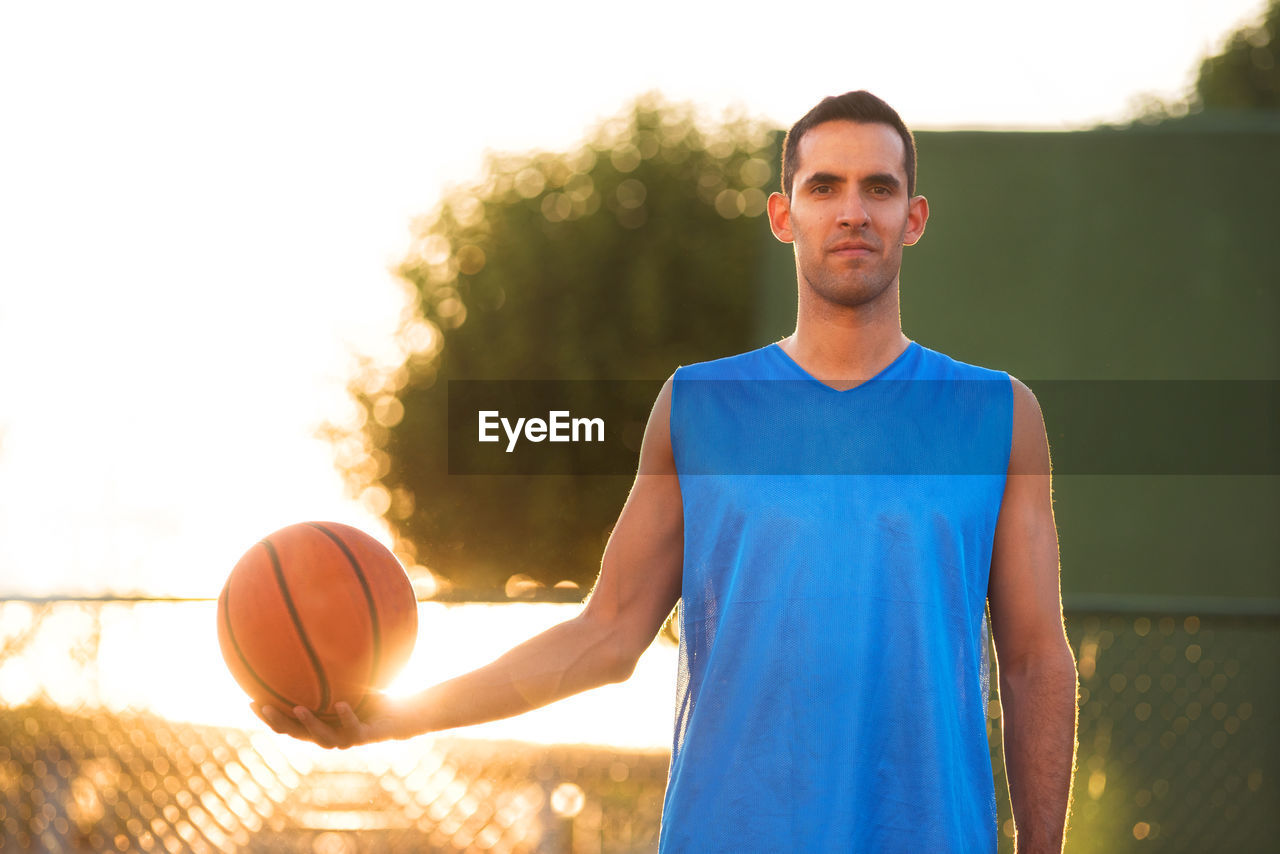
617, 261
1246, 75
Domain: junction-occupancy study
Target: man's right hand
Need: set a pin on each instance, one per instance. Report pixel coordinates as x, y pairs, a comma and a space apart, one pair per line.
385, 721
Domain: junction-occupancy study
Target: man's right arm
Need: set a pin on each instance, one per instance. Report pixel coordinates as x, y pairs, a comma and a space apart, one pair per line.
639, 584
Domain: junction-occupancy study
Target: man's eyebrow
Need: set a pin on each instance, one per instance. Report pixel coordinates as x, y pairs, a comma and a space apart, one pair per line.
823, 178
887, 179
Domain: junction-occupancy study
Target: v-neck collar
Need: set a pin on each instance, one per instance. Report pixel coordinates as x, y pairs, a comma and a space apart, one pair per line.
795, 367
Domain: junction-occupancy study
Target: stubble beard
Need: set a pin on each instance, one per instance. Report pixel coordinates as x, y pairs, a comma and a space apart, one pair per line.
854, 286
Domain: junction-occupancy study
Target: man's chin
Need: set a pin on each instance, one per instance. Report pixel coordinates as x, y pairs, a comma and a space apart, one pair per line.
853, 298
852, 294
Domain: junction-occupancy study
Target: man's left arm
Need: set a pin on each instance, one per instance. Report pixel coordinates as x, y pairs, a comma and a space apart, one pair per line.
1036, 667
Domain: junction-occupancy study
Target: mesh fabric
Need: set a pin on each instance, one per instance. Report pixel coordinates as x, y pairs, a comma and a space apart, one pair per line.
833, 684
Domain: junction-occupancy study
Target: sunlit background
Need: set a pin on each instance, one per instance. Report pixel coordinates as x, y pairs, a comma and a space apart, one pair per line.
200, 209
200, 212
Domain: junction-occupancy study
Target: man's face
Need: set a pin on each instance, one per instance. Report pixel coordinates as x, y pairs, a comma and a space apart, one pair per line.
849, 214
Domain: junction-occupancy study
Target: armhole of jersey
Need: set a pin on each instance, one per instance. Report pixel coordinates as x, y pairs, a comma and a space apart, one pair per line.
1008, 457
672, 432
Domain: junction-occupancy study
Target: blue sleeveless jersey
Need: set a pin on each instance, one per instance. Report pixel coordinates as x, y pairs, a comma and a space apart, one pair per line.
837, 544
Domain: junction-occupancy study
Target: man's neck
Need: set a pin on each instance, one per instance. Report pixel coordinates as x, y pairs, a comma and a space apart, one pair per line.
846, 348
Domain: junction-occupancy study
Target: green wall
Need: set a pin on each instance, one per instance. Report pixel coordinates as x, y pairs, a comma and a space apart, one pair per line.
1149, 254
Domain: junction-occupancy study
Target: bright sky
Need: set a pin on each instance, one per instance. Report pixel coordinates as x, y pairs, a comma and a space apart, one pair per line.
199, 204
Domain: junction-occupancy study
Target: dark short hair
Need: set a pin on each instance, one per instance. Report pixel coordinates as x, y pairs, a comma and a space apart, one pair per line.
860, 106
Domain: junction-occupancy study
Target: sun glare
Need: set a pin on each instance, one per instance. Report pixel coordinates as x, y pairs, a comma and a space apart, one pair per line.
163, 659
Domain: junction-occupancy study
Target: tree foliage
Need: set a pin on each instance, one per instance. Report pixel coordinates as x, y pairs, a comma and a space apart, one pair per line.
1246, 75
619, 260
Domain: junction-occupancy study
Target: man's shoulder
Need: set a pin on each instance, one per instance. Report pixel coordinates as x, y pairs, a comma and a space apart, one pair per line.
752, 364
939, 365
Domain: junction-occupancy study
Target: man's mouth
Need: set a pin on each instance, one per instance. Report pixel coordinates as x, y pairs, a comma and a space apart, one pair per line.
850, 249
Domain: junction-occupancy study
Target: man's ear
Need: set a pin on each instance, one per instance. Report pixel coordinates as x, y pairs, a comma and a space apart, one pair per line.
780, 217
917, 216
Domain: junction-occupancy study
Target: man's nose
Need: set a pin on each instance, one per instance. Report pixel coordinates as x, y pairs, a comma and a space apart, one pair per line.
853, 214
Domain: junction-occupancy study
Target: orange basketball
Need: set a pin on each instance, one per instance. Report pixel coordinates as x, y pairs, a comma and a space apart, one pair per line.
316, 614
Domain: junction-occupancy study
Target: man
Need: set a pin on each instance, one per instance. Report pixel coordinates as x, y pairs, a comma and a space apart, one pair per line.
836, 511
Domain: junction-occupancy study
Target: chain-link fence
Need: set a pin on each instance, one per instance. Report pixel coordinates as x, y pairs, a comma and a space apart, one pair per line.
1179, 751
1179, 744
134, 782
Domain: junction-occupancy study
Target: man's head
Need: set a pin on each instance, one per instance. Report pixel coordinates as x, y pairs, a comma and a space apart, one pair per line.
848, 202
860, 106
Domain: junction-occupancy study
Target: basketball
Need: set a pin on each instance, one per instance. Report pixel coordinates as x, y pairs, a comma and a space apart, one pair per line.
316, 614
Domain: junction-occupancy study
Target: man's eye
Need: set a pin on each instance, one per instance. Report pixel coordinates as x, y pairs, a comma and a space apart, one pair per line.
822, 189
880, 191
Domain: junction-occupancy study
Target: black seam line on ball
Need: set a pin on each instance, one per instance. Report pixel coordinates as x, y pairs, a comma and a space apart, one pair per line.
297, 624
376, 664
235, 644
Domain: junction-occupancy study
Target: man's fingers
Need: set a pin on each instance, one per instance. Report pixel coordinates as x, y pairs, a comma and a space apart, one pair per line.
263, 714
305, 725
348, 717
276, 719
318, 731
321, 733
